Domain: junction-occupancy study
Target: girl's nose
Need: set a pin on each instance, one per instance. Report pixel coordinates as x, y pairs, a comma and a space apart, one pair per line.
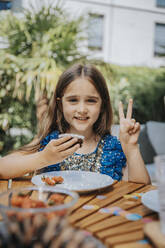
82, 108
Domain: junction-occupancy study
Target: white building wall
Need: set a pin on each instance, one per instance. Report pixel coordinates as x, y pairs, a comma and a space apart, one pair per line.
133, 33
132, 37
129, 28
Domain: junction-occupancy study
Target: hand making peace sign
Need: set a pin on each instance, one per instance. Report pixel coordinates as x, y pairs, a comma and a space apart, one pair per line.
129, 128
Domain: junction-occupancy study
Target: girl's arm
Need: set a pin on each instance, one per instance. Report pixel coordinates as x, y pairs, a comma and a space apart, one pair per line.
19, 163
135, 170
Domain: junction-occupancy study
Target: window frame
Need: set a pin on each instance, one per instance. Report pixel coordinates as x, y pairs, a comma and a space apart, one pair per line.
93, 47
157, 54
159, 5
7, 2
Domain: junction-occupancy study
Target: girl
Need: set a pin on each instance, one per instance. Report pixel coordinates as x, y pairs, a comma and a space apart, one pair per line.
81, 105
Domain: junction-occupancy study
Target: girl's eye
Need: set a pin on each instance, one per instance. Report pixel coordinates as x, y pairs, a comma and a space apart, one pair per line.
72, 100
92, 100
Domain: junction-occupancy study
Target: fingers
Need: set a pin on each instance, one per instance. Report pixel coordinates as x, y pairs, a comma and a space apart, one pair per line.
59, 149
121, 111
58, 142
135, 127
133, 121
68, 144
70, 151
64, 143
68, 148
129, 109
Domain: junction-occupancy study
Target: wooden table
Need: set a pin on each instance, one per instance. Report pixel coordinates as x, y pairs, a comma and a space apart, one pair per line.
113, 231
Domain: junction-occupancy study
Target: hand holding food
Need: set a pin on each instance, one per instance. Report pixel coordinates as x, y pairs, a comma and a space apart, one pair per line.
59, 149
79, 137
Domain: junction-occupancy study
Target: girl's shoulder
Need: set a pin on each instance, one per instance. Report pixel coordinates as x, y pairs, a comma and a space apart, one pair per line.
49, 137
111, 142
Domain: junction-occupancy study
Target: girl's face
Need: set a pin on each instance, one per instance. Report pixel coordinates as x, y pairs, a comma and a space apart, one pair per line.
81, 105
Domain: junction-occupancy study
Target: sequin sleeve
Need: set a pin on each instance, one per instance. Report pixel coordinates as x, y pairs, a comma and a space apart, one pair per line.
48, 138
113, 158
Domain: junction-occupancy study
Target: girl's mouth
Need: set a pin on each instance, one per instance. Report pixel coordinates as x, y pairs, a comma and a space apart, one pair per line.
81, 118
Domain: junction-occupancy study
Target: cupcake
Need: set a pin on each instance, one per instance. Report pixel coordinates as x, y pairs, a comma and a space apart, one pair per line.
80, 137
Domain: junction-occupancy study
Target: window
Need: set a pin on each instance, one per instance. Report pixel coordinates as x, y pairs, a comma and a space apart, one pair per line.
5, 5
160, 3
159, 39
95, 31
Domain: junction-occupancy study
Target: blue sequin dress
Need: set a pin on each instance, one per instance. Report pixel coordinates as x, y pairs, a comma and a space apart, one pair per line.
108, 158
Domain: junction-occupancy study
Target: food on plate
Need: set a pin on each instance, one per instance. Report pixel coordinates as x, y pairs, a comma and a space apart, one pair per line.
52, 180
80, 137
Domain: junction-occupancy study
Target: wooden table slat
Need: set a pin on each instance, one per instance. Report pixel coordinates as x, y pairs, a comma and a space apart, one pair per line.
122, 228
3, 185
123, 238
133, 245
20, 183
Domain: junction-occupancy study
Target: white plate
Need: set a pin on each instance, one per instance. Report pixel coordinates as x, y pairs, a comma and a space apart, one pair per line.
150, 200
80, 181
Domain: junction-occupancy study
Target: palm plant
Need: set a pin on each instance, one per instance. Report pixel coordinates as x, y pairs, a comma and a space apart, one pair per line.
40, 44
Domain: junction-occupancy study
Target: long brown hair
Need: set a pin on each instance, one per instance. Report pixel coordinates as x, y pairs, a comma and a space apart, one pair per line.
54, 119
